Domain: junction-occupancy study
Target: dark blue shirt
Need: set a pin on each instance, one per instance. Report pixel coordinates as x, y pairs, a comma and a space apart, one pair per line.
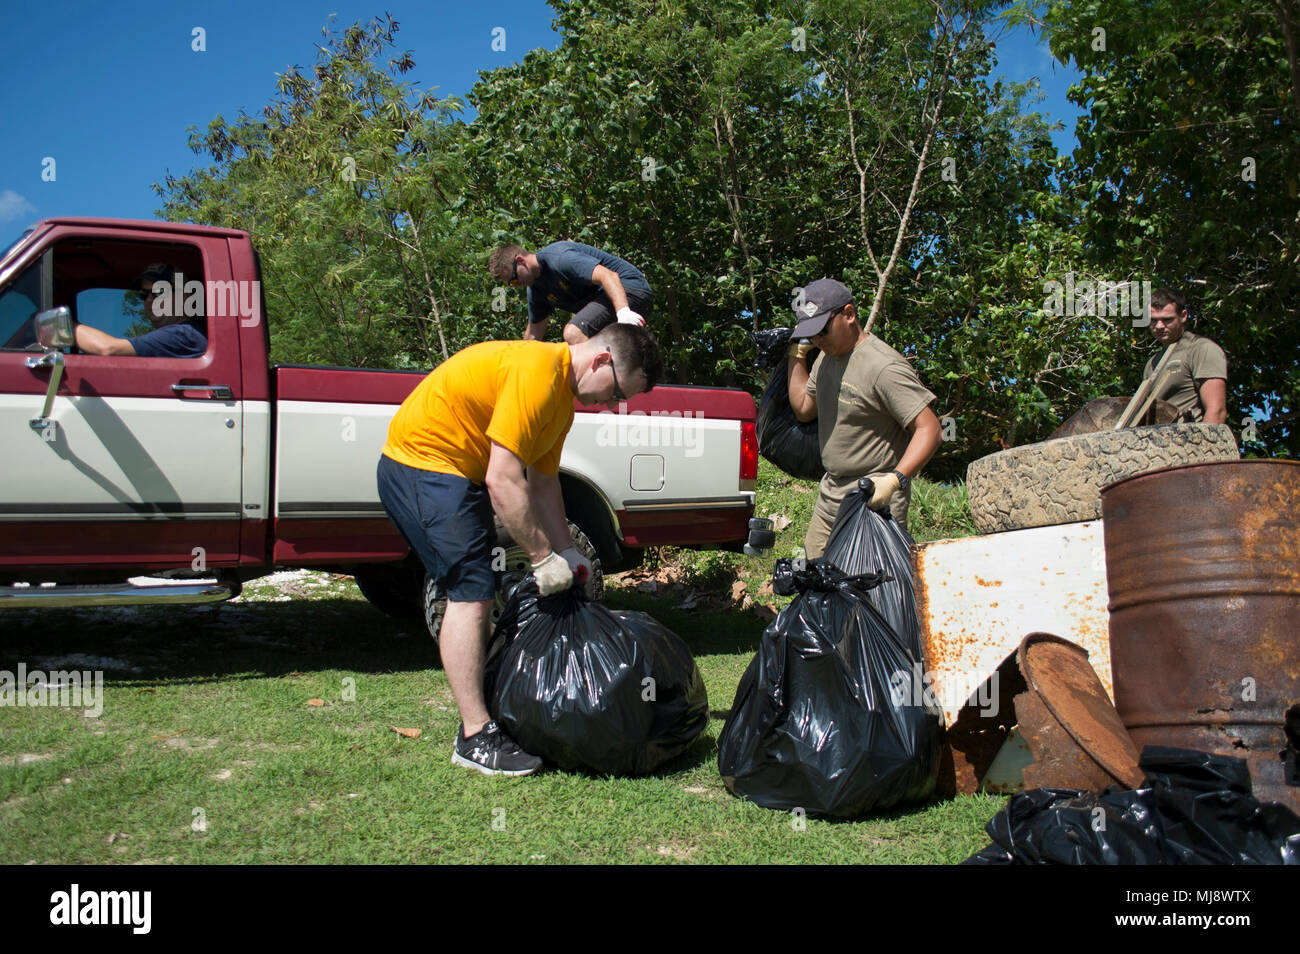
566, 283
171, 341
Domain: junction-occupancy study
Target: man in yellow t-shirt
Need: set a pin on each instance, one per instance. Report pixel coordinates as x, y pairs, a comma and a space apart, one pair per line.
458, 449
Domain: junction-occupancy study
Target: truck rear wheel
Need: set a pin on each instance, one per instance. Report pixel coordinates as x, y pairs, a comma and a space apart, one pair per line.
1060, 481
517, 565
394, 590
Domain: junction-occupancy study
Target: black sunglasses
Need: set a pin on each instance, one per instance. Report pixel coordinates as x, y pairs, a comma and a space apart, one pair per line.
618, 391
514, 273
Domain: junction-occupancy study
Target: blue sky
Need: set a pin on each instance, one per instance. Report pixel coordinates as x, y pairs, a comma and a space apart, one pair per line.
107, 89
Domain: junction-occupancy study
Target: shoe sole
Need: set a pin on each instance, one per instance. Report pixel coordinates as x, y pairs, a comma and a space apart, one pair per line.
458, 759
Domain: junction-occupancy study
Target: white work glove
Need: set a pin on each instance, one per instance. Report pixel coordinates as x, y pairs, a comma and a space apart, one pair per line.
886, 485
553, 574
629, 317
578, 563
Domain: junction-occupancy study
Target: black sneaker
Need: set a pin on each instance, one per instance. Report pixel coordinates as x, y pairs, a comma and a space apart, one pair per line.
492, 752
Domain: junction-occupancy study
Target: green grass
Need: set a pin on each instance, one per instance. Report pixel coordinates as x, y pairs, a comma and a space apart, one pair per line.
206, 719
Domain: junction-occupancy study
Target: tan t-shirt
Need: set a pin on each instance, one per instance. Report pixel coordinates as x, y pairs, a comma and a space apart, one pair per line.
865, 400
1194, 359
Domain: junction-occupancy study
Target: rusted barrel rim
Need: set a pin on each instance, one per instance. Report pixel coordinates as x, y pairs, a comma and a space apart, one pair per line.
1252, 461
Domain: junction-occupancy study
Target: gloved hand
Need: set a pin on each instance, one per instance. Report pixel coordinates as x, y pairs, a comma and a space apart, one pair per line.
629, 317
553, 574
886, 485
578, 564
798, 349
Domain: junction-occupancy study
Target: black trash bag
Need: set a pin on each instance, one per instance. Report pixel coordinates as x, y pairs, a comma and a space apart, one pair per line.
866, 541
1193, 808
586, 688
821, 719
787, 442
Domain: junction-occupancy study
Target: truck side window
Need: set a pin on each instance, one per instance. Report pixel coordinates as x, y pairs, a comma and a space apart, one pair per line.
151, 294
19, 303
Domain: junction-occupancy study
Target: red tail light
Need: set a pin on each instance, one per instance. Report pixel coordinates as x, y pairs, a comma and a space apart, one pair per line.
748, 451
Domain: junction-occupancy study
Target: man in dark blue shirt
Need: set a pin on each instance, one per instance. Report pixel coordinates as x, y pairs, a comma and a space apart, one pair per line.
172, 335
595, 286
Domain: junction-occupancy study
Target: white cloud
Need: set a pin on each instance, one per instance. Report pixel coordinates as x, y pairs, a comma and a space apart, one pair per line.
14, 206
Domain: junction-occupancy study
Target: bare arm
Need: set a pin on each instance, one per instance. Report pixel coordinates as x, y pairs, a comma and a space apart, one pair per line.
93, 341
547, 502
804, 404
511, 499
612, 284
536, 330
1214, 395
926, 437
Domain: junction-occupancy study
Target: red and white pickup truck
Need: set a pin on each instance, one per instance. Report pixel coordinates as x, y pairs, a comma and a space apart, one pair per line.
222, 467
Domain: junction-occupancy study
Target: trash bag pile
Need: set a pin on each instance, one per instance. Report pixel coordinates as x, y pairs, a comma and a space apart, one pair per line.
783, 439
824, 717
586, 688
1194, 808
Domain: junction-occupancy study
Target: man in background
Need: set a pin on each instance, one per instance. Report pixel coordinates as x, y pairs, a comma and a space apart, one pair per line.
597, 288
1195, 378
872, 411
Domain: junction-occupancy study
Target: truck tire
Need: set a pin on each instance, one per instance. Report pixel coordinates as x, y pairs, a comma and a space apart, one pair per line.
517, 566
395, 590
1060, 481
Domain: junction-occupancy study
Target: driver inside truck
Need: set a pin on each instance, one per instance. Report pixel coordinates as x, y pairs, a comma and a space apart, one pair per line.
174, 335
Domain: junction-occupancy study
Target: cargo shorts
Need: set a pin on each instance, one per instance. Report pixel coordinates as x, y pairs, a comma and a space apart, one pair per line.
446, 520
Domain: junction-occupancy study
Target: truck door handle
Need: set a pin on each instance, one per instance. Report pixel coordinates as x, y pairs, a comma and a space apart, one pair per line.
216, 392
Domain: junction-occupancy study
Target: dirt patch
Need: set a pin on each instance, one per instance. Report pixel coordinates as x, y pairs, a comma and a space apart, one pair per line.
678, 851
25, 758
189, 743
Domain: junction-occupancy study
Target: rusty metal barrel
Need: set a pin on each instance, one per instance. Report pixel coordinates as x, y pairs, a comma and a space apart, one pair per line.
1203, 568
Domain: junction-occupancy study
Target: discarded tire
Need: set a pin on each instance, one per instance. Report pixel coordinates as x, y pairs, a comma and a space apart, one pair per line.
1060, 481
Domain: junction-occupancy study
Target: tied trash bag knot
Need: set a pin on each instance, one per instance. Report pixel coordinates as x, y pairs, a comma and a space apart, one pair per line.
792, 575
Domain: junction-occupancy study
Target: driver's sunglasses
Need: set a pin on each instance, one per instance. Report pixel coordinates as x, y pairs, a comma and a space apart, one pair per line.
618, 391
514, 273
144, 293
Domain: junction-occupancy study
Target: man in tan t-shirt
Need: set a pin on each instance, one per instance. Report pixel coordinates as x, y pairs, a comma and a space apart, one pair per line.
872, 411
1198, 384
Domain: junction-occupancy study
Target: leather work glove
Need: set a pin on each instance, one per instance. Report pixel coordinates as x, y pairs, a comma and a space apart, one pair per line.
886, 485
578, 564
629, 317
798, 349
553, 574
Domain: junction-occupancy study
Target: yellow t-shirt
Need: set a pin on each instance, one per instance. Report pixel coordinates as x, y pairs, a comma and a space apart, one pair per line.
516, 393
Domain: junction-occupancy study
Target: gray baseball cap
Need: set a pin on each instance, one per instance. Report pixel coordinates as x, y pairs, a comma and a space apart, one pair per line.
820, 298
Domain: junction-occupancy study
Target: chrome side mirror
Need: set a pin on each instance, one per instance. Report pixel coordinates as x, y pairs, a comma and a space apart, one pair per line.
54, 328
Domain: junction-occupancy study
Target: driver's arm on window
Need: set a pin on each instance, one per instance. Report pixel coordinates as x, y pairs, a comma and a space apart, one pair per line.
93, 341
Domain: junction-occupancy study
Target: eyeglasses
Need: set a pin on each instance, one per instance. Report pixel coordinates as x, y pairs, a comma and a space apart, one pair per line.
514, 273
618, 391
146, 293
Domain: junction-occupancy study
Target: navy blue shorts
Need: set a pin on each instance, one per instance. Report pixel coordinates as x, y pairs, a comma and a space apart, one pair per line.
445, 519
598, 313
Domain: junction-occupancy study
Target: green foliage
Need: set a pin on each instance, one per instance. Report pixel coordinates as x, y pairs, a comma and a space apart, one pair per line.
1188, 170
736, 149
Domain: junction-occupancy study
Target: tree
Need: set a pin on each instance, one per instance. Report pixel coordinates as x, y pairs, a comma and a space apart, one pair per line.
1188, 165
